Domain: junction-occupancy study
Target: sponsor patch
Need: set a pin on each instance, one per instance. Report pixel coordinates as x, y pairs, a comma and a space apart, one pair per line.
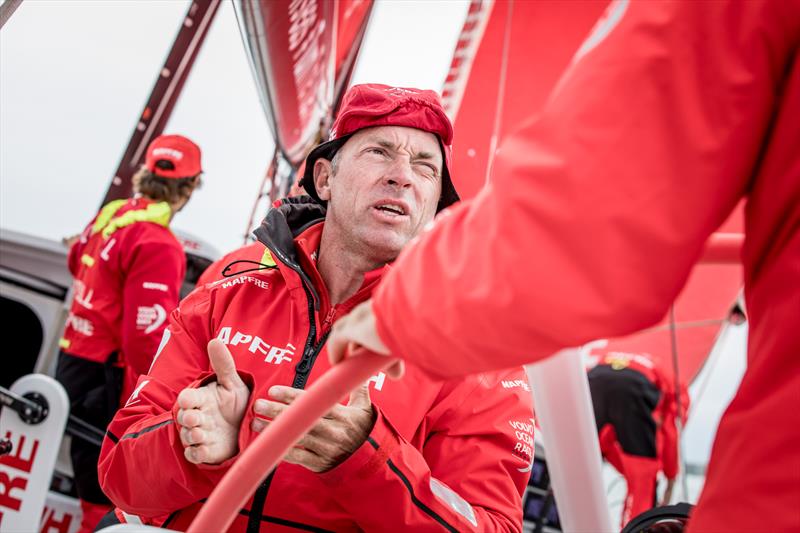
155, 286
512, 384
240, 280
150, 318
523, 448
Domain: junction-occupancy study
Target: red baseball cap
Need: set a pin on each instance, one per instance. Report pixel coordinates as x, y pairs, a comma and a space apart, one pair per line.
372, 104
183, 154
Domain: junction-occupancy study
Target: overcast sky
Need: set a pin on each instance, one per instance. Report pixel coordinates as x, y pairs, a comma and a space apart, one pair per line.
74, 77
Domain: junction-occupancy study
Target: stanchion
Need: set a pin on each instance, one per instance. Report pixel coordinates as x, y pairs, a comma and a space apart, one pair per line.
564, 407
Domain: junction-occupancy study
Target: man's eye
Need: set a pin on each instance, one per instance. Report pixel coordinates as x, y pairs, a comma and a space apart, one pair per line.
428, 169
379, 151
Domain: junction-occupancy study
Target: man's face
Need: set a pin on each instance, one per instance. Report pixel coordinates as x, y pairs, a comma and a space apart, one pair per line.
382, 190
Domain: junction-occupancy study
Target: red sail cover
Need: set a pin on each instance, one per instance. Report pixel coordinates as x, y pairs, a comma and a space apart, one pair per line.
293, 47
525, 47
301, 52
302, 62
507, 60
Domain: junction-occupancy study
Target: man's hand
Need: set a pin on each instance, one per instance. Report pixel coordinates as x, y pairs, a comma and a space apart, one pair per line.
209, 416
335, 436
358, 328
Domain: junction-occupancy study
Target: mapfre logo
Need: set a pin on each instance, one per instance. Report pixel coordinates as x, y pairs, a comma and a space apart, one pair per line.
256, 345
514, 383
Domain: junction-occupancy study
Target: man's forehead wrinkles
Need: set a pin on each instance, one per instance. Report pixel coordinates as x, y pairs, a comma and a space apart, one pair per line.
385, 143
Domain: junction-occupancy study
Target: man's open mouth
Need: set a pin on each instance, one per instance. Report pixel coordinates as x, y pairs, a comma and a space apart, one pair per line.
391, 208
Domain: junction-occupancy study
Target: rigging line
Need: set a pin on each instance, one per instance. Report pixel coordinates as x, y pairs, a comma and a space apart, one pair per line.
678, 418
686, 325
501, 90
7, 9
268, 175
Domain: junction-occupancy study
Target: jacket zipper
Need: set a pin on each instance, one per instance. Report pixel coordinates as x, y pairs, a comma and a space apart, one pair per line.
302, 369
311, 349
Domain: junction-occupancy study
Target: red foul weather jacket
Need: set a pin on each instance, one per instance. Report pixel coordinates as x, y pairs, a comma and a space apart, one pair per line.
128, 268
443, 455
598, 208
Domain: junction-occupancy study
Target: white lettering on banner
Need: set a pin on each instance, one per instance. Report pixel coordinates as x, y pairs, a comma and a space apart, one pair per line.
521, 383
260, 283
12, 488
155, 286
302, 15
523, 448
58, 523
164, 340
272, 354
134, 398
82, 296
107, 248
305, 30
378, 380
80, 325
150, 318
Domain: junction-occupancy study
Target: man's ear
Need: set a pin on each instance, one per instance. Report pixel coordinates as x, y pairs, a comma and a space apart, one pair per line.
323, 171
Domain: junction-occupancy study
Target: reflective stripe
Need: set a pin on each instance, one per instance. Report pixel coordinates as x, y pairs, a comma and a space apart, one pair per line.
456, 502
87, 260
63, 343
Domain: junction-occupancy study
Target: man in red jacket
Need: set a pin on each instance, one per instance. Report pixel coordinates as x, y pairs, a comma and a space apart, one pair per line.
598, 208
413, 455
636, 412
128, 269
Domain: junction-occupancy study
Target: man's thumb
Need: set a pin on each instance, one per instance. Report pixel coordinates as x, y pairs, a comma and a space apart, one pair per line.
359, 397
223, 366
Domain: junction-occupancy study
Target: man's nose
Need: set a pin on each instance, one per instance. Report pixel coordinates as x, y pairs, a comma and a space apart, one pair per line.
399, 174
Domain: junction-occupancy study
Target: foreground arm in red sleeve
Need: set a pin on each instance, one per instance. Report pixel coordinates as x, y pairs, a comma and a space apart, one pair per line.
469, 475
142, 467
150, 293
596, 211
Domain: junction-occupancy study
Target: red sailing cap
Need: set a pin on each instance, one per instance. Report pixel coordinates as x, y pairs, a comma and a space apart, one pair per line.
372, 104
183, 154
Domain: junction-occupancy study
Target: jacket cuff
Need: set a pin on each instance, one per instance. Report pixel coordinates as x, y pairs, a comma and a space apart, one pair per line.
369, 457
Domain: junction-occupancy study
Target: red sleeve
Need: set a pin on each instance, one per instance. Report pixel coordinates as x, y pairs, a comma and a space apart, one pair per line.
152, 282
142, 468
597, 210
469, 475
